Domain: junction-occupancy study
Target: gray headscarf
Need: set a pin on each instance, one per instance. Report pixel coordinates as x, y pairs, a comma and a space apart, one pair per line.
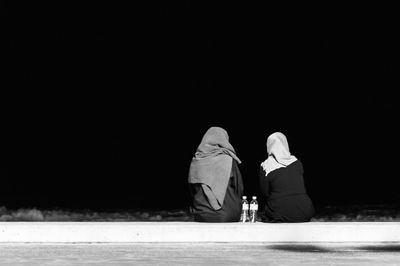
212, 164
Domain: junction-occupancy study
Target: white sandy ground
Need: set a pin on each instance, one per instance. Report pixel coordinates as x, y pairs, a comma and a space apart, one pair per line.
189, 243
354, 254
136, 232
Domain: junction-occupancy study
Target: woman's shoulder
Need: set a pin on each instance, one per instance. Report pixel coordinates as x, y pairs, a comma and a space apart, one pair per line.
235, 167
235, 163
297, 163
297, 166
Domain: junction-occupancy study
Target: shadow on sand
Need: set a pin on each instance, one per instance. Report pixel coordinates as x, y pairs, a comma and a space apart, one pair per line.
382, 248
300, 248
311, 248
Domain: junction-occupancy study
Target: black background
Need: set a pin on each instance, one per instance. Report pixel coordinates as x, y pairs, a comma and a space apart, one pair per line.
106, 102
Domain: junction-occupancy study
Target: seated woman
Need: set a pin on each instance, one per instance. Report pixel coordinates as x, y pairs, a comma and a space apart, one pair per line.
282, 184
215, 181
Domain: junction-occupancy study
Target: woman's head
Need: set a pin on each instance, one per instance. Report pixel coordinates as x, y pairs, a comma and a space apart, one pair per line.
216, 136
215, 141
278, 146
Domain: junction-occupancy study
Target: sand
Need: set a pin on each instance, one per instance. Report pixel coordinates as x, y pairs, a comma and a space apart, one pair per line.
201, 254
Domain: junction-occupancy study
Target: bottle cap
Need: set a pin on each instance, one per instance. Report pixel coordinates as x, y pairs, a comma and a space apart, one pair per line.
254, 197
244, 197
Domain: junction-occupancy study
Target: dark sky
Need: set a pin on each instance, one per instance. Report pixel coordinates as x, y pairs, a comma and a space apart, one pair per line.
106, 103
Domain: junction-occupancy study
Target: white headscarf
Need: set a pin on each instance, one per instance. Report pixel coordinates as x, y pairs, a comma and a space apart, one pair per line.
278, 153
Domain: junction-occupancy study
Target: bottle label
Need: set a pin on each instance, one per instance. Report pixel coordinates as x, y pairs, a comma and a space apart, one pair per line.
245, 207
254, 207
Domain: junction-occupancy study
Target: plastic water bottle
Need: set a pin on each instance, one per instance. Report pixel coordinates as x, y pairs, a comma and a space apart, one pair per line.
253, 209
244, 217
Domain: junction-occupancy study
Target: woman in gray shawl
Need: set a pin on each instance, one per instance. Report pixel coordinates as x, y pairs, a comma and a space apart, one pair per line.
215, 181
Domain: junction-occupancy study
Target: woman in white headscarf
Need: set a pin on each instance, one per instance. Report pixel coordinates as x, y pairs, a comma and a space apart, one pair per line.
215, 181
282, 184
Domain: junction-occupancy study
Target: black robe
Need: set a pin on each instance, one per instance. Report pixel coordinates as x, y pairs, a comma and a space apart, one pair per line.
231, 208
285, 195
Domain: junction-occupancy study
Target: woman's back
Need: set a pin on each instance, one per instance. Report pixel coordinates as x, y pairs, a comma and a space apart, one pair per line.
282, 184
231, 208
214, 179
286, 196
287, 181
